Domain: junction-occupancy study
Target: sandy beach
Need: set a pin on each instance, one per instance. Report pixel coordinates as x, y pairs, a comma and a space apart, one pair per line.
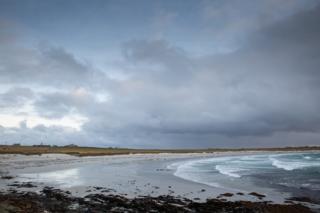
129, 176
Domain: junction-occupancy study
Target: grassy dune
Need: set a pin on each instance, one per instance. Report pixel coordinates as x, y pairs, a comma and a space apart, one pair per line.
95, 151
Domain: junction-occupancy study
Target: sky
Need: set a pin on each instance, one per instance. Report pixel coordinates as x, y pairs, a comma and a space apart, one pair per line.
160, 74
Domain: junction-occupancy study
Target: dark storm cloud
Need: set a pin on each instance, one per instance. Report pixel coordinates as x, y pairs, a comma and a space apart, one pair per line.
267, 86
280, 68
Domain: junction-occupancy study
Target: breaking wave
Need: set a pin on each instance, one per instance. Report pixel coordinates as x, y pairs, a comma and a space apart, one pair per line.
222, 171
225, 170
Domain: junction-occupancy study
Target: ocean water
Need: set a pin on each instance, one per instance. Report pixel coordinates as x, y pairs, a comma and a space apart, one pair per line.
297, 174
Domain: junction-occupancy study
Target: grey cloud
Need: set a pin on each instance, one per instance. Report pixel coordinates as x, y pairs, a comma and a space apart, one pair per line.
263, 93
157, 59
261, 89
163, 22
232, 22
41, 134
59, 104
15, 97
48, 66
276, 75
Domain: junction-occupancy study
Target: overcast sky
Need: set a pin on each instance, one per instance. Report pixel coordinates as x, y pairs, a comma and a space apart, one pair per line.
160, 74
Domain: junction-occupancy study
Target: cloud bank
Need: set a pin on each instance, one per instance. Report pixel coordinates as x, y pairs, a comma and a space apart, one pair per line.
264, 91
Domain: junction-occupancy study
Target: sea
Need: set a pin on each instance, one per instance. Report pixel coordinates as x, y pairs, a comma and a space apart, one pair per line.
296, 174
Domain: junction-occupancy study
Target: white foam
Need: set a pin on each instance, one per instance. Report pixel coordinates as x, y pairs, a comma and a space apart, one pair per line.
231, 172
188, 171
173, 166
292, 165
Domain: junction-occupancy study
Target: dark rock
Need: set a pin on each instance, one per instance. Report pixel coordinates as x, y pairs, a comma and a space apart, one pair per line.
7, 177
98, 188
55, 200
259, 196
225, 195
23, 185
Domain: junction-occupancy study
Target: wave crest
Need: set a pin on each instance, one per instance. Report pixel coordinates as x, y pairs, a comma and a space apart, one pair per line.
231, 172
292, 165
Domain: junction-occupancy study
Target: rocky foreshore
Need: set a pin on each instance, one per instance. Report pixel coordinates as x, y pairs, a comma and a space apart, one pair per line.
55, 200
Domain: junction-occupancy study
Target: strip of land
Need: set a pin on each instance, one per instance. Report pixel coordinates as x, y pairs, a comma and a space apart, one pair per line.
96, 151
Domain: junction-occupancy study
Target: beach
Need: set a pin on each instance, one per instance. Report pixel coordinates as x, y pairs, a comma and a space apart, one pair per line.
128, 176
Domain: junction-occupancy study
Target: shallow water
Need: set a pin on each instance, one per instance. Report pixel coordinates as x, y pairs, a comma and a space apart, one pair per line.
294, 173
